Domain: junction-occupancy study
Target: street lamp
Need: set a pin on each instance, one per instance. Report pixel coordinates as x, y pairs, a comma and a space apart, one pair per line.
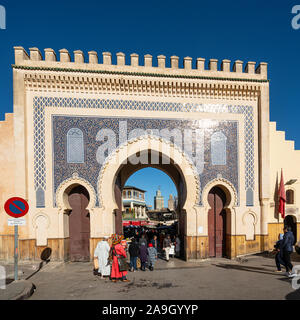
291, 181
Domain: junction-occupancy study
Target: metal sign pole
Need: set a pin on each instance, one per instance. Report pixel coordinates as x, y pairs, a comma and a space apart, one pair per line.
16, 207
16, 252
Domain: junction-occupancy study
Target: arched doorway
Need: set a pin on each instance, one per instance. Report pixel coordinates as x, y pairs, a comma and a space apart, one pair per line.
173, 172
170, 159
217, 223
79, 224
291, 221
150, 201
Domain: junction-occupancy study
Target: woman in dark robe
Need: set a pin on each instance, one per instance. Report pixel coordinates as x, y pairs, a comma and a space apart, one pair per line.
143, 256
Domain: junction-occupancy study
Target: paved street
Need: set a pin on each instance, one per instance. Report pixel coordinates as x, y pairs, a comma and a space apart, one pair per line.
251, 277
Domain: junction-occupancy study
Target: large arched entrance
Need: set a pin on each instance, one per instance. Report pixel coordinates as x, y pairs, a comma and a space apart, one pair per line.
291, 221
163, 155
172, 170
79, 224
217, 223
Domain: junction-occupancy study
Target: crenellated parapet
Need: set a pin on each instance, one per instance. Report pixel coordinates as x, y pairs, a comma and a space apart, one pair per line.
64, 61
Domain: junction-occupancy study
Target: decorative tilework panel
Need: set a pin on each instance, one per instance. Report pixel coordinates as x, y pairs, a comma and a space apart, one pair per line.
91, 126
40, 103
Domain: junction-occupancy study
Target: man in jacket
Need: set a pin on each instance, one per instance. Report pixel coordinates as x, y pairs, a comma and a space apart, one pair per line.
134, 251
286, 247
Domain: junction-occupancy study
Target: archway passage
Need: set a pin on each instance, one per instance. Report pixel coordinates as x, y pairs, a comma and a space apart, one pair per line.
79, 224
291, 221
173, 172
217, 223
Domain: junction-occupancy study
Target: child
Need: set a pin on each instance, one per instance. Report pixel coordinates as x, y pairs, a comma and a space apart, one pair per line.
152, 253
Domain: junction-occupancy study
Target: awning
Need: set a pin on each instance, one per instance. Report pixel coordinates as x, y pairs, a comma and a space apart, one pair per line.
135, 223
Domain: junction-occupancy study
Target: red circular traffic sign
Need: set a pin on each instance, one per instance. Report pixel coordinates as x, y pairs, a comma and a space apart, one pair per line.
16, 207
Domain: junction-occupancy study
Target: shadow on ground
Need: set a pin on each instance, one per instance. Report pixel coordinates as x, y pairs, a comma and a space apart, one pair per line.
45, 257
244, 268
295, 257
295, 295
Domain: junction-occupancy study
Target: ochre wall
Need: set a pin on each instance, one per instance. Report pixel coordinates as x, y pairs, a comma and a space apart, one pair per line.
7, 170
195, 247
283, 156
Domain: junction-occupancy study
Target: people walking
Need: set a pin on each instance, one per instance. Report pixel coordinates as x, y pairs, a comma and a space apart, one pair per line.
152, 254
154, 242
134, 251
143, 256
286, 246
117, 252
161, 240
101, 253
167, 246
143, 240
177, 246
278, 257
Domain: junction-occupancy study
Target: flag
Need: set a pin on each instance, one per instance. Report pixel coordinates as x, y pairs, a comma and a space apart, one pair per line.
281, 207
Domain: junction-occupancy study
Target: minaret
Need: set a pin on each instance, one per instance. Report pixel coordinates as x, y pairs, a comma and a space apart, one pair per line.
158, 200
171, 203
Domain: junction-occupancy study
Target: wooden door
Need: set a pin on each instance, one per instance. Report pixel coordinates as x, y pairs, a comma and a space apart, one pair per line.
216, 223
79, 225
291, 222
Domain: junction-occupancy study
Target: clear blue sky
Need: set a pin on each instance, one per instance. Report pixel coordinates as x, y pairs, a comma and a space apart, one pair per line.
247, 30
149, 179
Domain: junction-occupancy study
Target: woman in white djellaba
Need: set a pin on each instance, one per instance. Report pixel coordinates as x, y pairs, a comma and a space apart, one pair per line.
102, 253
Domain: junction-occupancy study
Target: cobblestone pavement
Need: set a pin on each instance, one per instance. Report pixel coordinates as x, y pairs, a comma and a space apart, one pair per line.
251, 277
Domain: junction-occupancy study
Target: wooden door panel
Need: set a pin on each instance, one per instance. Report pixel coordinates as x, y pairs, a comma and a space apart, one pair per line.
79, 225
211, 226
216, 223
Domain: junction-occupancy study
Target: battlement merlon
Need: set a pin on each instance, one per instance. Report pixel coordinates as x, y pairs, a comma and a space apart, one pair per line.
237, 71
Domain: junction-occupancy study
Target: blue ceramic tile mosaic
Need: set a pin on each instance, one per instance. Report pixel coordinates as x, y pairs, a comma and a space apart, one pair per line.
89, 168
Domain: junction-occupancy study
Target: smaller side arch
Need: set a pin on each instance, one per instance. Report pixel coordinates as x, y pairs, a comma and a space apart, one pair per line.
41, 223
66, 186
249, 220
226, 186
251, 213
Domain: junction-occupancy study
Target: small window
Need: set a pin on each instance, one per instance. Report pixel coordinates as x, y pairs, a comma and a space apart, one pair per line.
75, 146
218, 149
290, 197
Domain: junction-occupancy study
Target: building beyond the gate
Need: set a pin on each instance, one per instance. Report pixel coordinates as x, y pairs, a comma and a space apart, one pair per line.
81, 125
134, 202
171, 202
158, 200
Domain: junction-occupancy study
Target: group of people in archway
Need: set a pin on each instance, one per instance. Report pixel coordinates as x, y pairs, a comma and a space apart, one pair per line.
112, 252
